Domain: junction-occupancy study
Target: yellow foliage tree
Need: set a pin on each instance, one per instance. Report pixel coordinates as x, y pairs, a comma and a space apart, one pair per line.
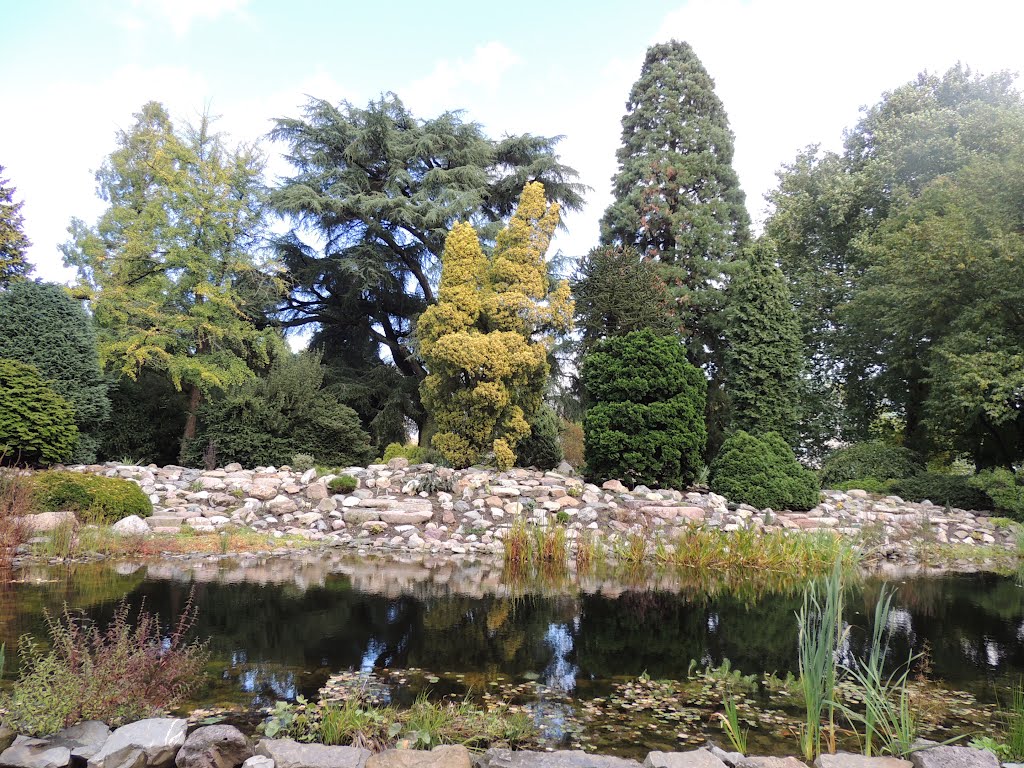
485, 342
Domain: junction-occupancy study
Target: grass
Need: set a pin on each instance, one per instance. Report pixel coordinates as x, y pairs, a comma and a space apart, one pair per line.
15, 503
730, 720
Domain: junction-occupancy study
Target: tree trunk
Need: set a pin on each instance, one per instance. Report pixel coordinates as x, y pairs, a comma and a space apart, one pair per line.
195, 398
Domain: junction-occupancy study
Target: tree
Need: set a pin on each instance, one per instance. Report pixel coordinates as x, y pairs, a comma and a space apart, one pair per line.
171, 268
828, 205
14, 244
485, 342
37, 425
677, 198
762, 348
40, 324
381, 190
645, 423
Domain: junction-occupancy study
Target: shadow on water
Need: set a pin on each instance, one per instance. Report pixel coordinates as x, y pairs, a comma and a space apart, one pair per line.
281, 626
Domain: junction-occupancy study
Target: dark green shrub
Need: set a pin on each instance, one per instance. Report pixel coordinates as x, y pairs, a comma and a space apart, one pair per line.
1005, 488
542, 448
343, 484
646, 424
763, 472
952, 490
42, 325
91, 497
873, 458
37, 426
147, 418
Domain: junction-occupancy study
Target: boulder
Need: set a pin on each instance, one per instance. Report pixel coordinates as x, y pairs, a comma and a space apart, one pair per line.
133, 525
448, 756
84, 739
152, 743
697, 758
770, 762
850, 760
506, 758
49, 521
27, 752
287, 753
399, 462
358, 515
264, 489
214, 746
258, 761
953, 757
406, 516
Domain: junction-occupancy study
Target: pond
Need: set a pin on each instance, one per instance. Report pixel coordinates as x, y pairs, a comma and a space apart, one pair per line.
605, 664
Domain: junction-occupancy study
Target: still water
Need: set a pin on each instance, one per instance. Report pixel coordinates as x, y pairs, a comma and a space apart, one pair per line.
282, 626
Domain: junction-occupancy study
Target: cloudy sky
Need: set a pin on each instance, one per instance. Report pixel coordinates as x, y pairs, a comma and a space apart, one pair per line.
790, 72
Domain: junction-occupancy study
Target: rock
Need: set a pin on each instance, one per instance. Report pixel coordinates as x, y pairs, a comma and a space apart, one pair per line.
359, 515
698, 758
770, 762
152, 743
953, 757
448, 756
26, 752
316, 492
849, 760
406, 516
7, 736
565, 468
49, 521
287, 753
258, 761
729, 758
84, 739
214, 746
133, 525
399, 462
506, 758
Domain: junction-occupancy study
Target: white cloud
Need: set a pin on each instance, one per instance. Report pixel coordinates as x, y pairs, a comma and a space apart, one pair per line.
461, 81
182, 14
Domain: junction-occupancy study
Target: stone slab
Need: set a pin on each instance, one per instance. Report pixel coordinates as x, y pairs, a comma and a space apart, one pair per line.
287, 753
697, 758
953, 757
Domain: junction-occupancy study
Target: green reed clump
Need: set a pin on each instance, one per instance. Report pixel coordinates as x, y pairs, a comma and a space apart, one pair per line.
704, 548
730, 720
517, 547
551, 548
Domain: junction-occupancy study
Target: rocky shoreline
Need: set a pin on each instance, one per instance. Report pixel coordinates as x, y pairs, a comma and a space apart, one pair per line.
437, 510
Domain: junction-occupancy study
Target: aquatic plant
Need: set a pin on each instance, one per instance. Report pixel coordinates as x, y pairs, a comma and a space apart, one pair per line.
517, 547
551, 548
15, 503
730, 721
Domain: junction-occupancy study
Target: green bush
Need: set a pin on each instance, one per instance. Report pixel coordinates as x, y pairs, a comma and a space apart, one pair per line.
952, 490
646, 424
873, 458
414, 453
1005, 488
147, 417
302, 461
37, 426
91, 497
763, 472
343, 484
542, 448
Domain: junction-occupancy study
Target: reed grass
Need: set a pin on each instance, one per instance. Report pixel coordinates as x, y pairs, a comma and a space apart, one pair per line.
730, 720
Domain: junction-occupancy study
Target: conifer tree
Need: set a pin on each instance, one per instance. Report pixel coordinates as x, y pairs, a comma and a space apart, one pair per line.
13, 242
677, 197
762, 353
485, 342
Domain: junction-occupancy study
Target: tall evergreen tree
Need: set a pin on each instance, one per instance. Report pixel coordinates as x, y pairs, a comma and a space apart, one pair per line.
677, 197
762, 354
13, 241
40, 324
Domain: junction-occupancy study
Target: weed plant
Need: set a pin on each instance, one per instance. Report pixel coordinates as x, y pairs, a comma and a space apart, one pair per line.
15, 503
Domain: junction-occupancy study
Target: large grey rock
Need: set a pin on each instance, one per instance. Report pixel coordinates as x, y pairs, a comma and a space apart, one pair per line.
258, 761
84, 739
697, 758
214, 746
49, 521
287, 753
953, 757
849, 760
448, 756
153, 743
731, 759
26, 752
505, 758
133, 525
770, 762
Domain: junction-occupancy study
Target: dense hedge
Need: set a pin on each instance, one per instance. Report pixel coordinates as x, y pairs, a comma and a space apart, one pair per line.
1005, 488
541, 448
37, 426
646, 422
763, 472
93, 498
871, 459
953, 490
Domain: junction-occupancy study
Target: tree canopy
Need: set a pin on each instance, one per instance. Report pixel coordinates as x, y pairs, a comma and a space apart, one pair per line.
14, 243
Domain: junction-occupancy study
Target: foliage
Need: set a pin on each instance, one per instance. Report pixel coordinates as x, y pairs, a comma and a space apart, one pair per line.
762, 472
40, 324
343, 484
872, 458
117, 675
15, 503
147, 417
646, 423
414, 453
37, 425
730, 721
265, 421
93, 498
944, 490
14, 264
381, 190
170, 268
1005, 488
541, 448
571, 442
485, 342
761, 355
300, 462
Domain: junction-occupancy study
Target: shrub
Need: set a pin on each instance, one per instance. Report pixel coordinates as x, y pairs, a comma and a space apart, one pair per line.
414, 453
646, 424
571, 438
873, 458
343, 484
763, 472
147, 418
952, 490
1005, 488
117, 675
302, 461
541, 448
37, 425
93, 498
